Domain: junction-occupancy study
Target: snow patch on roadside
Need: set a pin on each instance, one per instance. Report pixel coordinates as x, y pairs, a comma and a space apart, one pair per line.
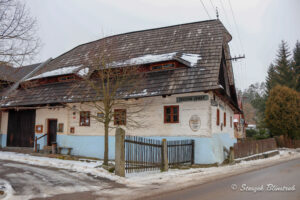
260, 154
139, 184
7, 189
78, 166
177, 177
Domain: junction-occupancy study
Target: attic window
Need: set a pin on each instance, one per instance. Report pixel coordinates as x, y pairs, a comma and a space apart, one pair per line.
164, 66
66, 78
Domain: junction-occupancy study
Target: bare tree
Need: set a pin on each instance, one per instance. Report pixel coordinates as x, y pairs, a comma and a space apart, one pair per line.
111, 86
18, 41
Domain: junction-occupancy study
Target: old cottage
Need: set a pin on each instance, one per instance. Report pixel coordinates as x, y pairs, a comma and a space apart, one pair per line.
188, 78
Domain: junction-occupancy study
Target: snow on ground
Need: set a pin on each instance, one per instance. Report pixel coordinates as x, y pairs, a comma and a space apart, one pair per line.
7, 189
252, 156
146, 184
45, 181
176, 176
78, 166
139, 184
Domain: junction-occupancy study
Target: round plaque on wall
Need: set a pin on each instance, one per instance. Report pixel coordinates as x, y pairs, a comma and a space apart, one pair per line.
195, 122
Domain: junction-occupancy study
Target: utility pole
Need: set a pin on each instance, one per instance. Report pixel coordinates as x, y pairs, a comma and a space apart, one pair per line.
236, 57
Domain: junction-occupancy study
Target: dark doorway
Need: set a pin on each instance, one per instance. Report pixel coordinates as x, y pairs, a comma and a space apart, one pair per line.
20, 130
52, 130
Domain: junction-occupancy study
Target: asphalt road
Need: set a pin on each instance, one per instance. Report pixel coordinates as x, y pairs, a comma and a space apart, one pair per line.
243, 186
36, 182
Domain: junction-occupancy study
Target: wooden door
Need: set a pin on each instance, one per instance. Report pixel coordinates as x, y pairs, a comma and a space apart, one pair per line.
20, 129
52, 131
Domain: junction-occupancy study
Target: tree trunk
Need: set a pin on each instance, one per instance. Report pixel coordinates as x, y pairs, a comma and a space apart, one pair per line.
106, 143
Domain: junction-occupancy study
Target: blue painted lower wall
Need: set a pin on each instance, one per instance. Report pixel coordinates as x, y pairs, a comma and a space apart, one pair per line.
3, 140
208, 150
88, 146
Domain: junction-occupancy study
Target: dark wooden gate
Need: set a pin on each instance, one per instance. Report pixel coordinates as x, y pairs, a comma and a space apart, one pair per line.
181, 152
52, 131
20, 130
142, 154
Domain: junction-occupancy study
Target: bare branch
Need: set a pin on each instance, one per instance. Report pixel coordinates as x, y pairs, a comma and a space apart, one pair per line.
18, 41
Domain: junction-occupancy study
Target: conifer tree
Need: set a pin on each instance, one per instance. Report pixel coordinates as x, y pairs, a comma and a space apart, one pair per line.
296, 65
284, 66
271, 79
296, 54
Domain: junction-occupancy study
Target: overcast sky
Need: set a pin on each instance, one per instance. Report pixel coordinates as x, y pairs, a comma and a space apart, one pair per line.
261, 25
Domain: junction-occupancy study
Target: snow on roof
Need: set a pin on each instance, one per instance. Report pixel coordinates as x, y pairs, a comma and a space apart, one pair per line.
61, 71
83, 72
191, 58
149, 58
145, 59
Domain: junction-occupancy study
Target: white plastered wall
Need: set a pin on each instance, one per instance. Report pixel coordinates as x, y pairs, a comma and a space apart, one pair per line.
151, 118
229, 113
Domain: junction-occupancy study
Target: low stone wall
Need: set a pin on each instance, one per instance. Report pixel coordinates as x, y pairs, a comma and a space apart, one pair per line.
258, 156
247, 148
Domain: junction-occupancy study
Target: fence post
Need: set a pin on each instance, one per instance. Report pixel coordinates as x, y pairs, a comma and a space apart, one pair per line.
164, 156
120, 152
231, 155
193, 152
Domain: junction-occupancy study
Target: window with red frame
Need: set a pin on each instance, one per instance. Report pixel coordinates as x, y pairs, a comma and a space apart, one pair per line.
120, 116
171, 114
218, 117
84, 118
224, 119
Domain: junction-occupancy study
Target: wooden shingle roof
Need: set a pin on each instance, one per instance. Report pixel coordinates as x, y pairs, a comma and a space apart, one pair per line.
11, 74
205, 39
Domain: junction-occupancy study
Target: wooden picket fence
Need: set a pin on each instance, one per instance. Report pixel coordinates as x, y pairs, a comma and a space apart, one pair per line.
144, 154
180, 152
246, 148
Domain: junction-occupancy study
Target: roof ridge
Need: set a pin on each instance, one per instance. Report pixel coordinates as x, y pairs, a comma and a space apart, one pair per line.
135, 32
150, 29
